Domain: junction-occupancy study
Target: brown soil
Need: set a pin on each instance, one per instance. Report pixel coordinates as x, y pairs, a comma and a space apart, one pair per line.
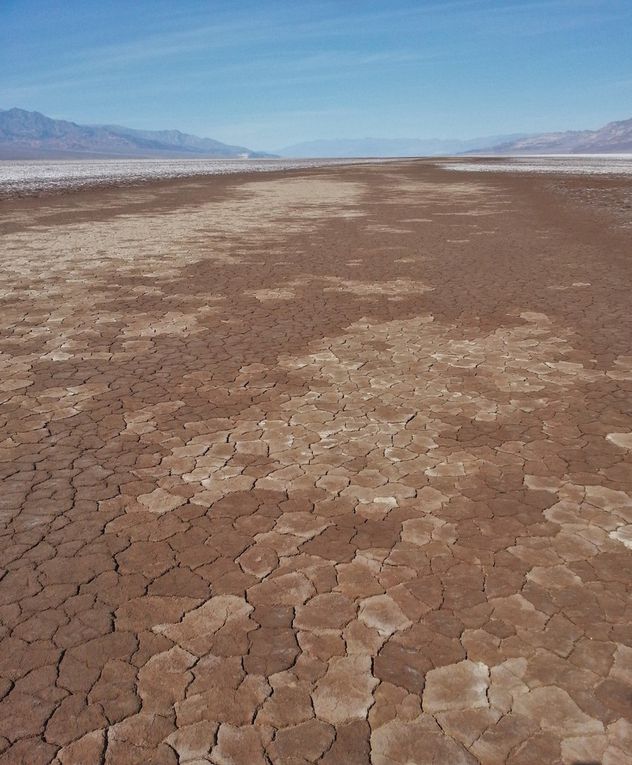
328, 466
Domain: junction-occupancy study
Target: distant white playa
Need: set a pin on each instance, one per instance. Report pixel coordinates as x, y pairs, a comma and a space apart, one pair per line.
573, 164
29, 177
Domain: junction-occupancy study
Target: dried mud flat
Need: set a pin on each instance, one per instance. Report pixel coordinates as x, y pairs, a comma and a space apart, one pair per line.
331, 466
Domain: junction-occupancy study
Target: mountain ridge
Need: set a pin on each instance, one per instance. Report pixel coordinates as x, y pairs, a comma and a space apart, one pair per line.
32, 135
612, 138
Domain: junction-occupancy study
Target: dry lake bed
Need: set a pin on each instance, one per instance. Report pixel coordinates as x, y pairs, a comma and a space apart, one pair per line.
324, 465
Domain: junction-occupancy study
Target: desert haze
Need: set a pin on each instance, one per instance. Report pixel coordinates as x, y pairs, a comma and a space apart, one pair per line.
31, 135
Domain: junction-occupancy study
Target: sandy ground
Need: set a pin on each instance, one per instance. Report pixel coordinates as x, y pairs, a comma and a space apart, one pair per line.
331, 466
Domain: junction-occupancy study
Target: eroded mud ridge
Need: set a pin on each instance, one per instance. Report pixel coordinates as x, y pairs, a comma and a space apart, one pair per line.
331, 467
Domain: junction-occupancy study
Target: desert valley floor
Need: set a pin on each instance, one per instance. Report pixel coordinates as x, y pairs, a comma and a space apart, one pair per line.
326, 466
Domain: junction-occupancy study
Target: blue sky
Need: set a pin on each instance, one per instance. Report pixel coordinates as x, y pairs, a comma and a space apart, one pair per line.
269, 73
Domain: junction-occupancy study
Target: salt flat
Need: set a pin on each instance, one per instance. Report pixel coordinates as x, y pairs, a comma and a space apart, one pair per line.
566, 164
29, 177
330, 466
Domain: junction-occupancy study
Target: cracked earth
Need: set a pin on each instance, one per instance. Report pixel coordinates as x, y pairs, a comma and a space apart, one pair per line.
325, 467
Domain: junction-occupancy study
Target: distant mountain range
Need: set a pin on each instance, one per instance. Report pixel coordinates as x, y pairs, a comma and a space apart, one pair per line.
31, 135
613, 138
391, 147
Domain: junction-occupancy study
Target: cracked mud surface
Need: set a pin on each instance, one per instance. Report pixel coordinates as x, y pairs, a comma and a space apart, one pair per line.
330, 467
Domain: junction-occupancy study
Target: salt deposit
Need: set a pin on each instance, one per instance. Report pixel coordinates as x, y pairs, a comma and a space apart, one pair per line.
24, 178
573, 164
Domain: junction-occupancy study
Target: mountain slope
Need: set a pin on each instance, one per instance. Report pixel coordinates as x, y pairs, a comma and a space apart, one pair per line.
31, 135
613, 138
183, 141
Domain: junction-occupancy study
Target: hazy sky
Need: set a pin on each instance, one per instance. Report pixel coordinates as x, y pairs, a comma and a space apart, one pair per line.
266, 74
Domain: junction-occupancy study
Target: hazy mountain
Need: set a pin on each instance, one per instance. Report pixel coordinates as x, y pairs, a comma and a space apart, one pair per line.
614, 138
391, 147
185, 142
31, 135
